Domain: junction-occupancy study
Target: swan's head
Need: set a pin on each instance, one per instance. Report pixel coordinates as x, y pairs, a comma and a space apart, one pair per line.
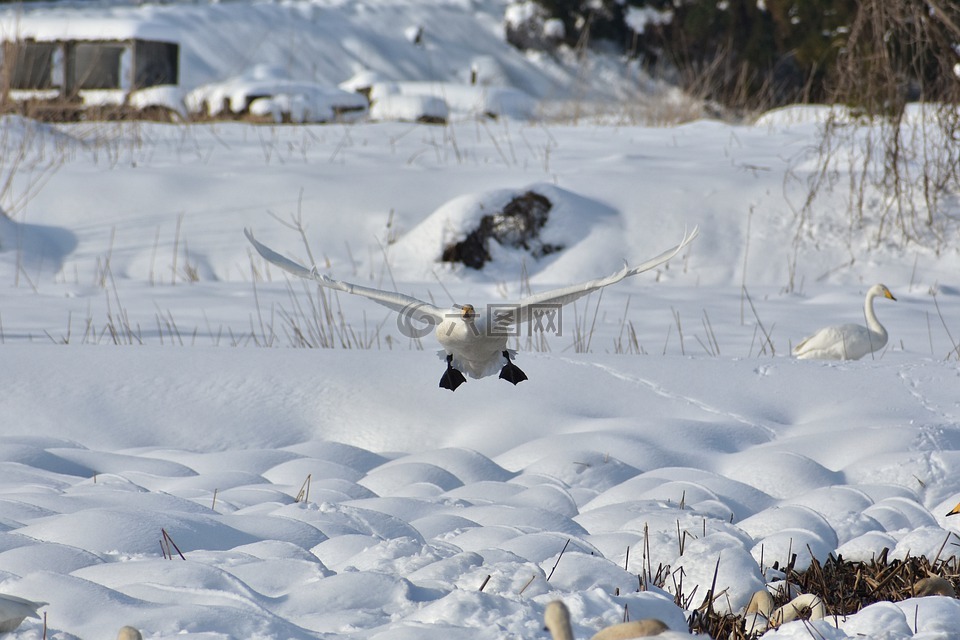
883, 291
468, 313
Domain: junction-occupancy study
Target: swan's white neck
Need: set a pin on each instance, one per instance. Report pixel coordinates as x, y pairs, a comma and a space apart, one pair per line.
872, 323
557, 619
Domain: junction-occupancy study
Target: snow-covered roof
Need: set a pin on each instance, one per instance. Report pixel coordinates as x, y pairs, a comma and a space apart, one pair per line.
105, 24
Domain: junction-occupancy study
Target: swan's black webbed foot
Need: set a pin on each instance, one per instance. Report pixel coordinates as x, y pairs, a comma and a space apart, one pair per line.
451, 378
511, 372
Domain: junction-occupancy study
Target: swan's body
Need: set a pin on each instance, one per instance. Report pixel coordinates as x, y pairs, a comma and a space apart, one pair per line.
848, 341
14, 610
556, 617
474, 343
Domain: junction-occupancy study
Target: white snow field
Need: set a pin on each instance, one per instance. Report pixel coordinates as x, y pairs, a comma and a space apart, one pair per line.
153, 393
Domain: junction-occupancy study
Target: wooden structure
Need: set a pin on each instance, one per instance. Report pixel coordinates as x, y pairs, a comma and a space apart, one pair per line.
53, 79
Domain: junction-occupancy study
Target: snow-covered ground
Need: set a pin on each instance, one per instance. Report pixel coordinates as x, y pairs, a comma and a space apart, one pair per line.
151, 385
670, 399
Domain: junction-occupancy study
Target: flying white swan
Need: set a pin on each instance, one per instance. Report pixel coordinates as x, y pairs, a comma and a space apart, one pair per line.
848, 341
475, 343
13, 610
556, 617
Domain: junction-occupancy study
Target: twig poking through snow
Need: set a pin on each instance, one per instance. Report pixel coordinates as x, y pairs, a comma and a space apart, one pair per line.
558, 559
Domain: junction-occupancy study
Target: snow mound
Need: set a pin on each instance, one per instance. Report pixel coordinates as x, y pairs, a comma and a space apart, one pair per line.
566, 229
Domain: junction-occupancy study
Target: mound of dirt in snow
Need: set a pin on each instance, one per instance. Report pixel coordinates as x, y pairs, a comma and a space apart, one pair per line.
538, 226
517, 225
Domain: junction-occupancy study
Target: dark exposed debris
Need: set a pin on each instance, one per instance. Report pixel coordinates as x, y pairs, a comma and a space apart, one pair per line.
845, 587
518, 226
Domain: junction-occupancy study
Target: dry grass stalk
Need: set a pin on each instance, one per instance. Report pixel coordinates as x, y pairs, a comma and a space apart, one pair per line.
529, 582
166, 542
304, 494
565, 544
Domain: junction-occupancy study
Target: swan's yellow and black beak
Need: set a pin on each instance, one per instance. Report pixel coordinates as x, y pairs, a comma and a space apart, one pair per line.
887, 294
467, 312
954, 511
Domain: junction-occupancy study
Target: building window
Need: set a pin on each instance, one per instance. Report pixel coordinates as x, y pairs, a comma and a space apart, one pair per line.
96, 65
33, 64
156, 63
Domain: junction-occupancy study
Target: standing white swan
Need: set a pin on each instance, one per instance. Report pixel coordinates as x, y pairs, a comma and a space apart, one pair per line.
848, 341
475, 343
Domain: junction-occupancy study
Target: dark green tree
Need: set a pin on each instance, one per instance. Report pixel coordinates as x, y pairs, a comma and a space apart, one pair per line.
761, 53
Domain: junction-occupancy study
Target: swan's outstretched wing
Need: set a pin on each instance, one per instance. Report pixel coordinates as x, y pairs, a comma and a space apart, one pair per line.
13, 610
566, 295
416, 308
